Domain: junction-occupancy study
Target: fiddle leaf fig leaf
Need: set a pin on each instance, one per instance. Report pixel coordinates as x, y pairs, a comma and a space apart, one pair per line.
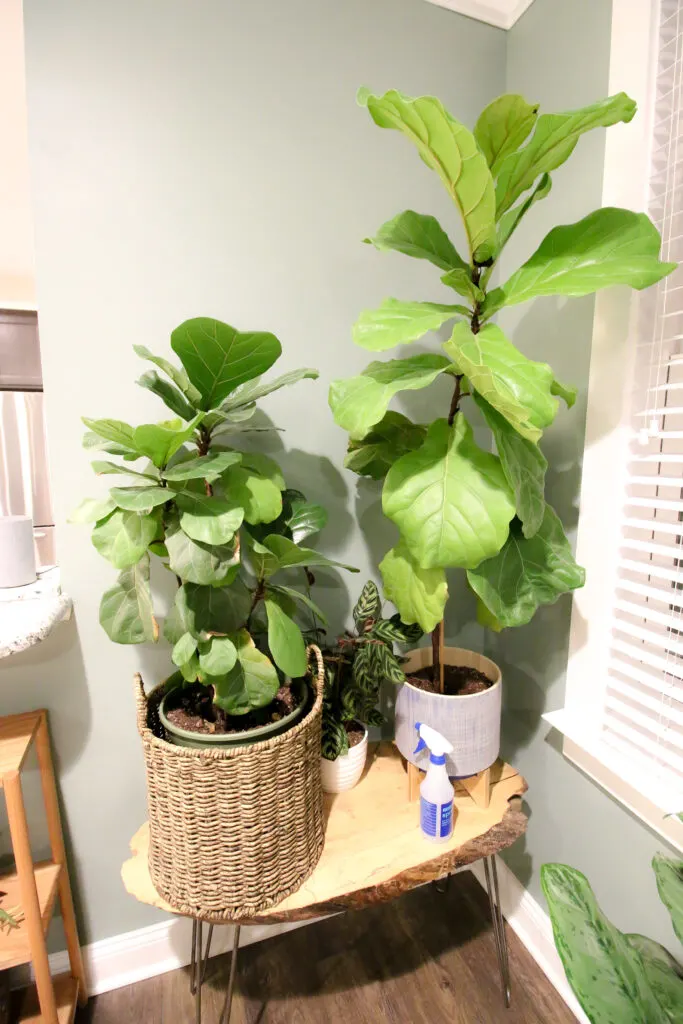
160, 441
302, 599
603, 968
120, 434
217, 655
521, 390
123, 537
208, 518
254, 390
265, 467
449, 499
420, 595
258, 497
608, 247
462, 283
199, 610
218, 358
524, 466
174, 373
206, 467
393, 436
92, 510
420, 236
284, 637
450, 149
397, 323
509, 222
358, 403
527, 573
503, 126
669, 874
251, 683
195, 562
141, 499
103, 468
286, 553
95, 442
126, 612
306, 519
184, 649
553, 142
168, 394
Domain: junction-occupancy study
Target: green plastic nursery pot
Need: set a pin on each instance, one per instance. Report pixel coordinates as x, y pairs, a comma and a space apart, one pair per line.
200, 741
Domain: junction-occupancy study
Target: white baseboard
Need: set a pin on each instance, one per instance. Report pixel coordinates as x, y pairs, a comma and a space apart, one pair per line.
531, 924
134, 956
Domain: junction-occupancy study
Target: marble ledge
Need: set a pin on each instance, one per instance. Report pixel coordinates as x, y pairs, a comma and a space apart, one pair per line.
29, 614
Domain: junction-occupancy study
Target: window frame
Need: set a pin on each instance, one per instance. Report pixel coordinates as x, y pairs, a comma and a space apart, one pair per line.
608, 422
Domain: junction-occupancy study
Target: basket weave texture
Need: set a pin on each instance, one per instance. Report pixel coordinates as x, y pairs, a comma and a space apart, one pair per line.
232, 832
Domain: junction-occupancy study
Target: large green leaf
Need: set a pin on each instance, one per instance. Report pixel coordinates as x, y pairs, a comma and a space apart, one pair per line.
524, 466
168, 394
669, 874
217, 655
602, 967
255, 390
206, 467
95, 442
91, 510
302, 599
174, 373
184, 650
503, 126
449, 499
285, 553
421, 236
527, 573
141, 499
259, 497
450, 149
199, 610
123, 537
284, 637
160, 441
126, 612
610, 246
252, 683
218, 358
194, 562
265, 467
396, 322
521, 390
358, 403
117, 432
306, 519
552, 143
664, 975
392, 437
460, 280
104, 468
208, 518
420, 595
509, 222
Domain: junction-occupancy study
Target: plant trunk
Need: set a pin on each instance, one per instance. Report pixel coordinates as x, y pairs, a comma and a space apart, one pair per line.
437, 667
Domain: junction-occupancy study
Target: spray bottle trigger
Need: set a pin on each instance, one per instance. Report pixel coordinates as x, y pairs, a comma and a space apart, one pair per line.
421, 744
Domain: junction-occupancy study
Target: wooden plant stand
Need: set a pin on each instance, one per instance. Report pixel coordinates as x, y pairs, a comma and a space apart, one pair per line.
374, 851
34, 888
478, 786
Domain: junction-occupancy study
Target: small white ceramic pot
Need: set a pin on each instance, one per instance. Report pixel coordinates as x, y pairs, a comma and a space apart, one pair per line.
344, 772
470, 723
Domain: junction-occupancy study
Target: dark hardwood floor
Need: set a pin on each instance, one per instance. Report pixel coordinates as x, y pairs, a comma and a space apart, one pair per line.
425, 958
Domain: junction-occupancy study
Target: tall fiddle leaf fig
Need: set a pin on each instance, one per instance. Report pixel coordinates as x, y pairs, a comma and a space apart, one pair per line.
455, 504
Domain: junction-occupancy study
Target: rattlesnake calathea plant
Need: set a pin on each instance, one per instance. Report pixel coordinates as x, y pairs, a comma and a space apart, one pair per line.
455, 504
356, 668
219, 518
618, 978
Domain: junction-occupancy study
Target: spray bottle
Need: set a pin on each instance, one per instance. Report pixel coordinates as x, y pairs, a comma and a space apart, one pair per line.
436, 791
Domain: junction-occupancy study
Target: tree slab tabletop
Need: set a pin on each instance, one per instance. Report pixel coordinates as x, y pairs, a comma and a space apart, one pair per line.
374, 849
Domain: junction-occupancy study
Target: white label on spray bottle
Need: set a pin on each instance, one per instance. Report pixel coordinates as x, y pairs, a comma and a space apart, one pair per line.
435, 819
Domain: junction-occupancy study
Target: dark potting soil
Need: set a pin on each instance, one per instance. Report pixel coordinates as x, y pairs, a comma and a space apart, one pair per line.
354, 732
458, 680
191, 708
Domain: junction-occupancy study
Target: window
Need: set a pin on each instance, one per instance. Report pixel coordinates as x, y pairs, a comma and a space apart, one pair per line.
623, 719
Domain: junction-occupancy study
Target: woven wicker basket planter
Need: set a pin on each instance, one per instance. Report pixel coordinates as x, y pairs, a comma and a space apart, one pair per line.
232, 832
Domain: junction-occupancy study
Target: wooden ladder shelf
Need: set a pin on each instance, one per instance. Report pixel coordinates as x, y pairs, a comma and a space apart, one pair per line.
34, 888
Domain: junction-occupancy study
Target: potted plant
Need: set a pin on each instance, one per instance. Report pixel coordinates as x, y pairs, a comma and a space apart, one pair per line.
226, 731
355, 669
457, 505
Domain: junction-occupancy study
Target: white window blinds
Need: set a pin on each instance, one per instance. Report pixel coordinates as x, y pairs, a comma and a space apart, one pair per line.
643, 706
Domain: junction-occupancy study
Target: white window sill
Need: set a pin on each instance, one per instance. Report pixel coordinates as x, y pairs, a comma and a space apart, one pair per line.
652, 804
29, 614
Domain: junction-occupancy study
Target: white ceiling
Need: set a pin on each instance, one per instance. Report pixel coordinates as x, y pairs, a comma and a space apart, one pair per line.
501, 13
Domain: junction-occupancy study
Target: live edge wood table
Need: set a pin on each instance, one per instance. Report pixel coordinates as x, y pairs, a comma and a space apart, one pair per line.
374, 851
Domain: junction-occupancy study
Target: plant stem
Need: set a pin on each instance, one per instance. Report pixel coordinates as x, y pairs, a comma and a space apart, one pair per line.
203, 446
436, 653
259, 593
457, 395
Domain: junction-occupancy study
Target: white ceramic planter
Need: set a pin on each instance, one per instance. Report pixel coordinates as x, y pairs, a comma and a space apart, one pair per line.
470, 723
346, 770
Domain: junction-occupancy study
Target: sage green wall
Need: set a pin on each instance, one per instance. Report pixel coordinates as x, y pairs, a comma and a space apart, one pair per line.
558, 54
209, 159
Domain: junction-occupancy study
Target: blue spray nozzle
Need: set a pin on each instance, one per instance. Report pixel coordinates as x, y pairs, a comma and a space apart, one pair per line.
421, 743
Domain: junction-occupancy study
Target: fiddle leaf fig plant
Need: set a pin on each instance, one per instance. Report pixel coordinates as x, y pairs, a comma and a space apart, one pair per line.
220, 518
457, 505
